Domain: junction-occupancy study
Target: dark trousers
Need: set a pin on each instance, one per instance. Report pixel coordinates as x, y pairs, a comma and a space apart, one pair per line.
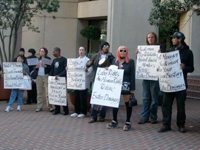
65, 108
167, 108
80, 101
32, 94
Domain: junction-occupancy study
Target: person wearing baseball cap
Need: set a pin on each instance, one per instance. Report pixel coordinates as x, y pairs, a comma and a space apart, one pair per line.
187, 66
21, 53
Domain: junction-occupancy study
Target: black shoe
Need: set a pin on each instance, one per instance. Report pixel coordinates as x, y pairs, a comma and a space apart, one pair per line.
182, 129
164, 129
143, 121
27, 103
153, 121
55, 112
65, 113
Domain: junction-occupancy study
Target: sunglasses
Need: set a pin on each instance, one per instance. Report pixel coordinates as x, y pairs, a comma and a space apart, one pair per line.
121, 50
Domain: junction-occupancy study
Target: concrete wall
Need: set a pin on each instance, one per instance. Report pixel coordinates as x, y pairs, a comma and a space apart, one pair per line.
128, 25
61, 32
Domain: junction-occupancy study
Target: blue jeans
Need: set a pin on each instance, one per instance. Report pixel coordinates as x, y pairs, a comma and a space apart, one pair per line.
150, 99
102, 112
13, 96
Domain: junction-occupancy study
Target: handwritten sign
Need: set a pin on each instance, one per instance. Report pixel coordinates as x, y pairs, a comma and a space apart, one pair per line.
107, 87
32, 61
171, 77
13, 75
46, 61
147, 65
57, 91
76, 75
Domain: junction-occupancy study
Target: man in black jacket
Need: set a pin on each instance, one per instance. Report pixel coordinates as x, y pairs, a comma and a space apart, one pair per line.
21, 53
58, 70
187, 65
103, 53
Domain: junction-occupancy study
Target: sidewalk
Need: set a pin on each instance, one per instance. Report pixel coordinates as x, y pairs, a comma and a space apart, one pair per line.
28, 130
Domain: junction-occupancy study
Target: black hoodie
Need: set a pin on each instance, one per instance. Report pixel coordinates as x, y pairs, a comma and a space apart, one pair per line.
186, 57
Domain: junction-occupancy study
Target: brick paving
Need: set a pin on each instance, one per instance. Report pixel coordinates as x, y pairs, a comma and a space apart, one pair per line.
28, 130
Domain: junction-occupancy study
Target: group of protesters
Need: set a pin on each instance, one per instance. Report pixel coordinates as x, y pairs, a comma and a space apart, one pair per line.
150, 88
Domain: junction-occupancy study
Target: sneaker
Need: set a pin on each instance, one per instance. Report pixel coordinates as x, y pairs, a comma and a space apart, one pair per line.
101, 119
38, 109
8, 108
112, 125
18, 108
74, 115
164, 129
127, 126
182, 129
92, 120
81, 116
143, 121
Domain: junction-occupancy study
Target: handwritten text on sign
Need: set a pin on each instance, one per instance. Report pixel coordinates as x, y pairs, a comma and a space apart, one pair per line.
170, 74
13, 75
147, 65
57, 91
107, 87
75, 74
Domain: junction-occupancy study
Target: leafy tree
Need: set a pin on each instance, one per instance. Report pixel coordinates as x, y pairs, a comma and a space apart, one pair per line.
17, 13
166, 14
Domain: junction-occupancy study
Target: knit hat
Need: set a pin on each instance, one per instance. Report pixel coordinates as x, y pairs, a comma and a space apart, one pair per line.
45, 49
32, 51
104, 44
22, 49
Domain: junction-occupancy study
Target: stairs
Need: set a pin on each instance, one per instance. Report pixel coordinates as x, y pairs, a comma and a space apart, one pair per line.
193, 91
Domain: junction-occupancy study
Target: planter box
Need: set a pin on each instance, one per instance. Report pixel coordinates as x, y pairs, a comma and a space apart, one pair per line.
4, 94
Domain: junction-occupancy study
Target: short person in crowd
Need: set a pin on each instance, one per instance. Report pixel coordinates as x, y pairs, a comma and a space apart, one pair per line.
81, 95
150, 90
32, 94
58, 70
128, 86
103, 53
187, 65
42, 80
21, 53
17, 92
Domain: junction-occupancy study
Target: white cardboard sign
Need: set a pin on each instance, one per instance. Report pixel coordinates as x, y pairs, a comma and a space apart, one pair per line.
57, 91
32, 61
147, 65
107, 87
171, 77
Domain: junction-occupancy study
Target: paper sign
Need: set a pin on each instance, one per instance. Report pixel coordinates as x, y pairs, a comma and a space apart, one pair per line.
13, 75
76, 75
46, 61
57, 91
32, 61
171, 77
107, 87
147, 65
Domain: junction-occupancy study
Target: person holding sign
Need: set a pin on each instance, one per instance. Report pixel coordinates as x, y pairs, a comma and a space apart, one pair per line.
187, 65
42, 80
102, 54
17, 92
80, 102
128, 86
150, 92
32, 94
58, 70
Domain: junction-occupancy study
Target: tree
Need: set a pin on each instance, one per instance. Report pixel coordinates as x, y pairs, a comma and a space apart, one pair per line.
17, 13
166, 14
91, 33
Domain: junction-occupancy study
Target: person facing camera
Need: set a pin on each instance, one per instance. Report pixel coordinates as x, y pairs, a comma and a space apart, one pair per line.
128, 86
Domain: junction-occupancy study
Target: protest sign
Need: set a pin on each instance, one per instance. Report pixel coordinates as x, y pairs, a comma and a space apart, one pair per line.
57, 91
46, 61
32, 61
76, 75
147, 65
171, 77
13, 75
107, 87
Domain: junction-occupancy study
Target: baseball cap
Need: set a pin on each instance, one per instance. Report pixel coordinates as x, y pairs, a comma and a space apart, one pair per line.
178, 35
